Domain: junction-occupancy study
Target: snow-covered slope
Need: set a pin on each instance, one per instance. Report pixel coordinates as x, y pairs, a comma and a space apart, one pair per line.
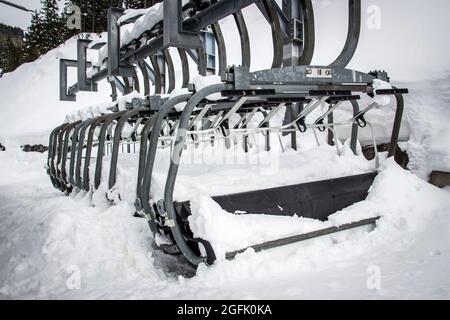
29, 102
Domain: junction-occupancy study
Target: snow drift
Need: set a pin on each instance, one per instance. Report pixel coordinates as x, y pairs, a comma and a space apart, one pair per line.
29, 101
45, 243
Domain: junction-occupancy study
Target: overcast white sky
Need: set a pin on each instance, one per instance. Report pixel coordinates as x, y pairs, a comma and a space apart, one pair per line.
413, 37
16, 17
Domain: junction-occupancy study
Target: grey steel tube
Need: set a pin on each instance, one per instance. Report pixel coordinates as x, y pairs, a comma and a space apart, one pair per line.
151, 153
101, 146
173, 170
116, 143
354, 30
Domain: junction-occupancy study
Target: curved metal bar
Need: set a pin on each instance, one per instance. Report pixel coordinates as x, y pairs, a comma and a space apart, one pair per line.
90, 141
180, 138
245, 39
116, 143
201, 60
101, 146
73, 153
145, 133
113, 90
354, 30
51, 155
127, 84
277, 40
80, 148
59, 148
158, 76
144, 71
221, 48
397, 124
355, 128
309, 37
331, 133
170, 70
67, 138
136, 85
184, 67
151, 154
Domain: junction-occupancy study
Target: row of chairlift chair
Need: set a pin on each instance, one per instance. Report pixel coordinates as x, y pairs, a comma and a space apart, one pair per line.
299, 88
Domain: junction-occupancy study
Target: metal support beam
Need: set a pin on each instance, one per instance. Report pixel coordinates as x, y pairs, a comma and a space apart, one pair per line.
201, 20
115, 66
119, 64
174, 34
298, 48
63, 90
84, 84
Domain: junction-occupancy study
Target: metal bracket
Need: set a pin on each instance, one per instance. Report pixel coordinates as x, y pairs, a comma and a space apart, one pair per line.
115, 67
63, 89
174, 34
84, 84
296, 31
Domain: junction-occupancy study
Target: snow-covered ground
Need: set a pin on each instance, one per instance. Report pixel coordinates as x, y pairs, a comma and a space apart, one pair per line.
48, 241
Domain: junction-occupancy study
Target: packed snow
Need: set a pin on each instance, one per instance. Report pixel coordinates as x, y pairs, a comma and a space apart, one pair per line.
49, 241
46, 243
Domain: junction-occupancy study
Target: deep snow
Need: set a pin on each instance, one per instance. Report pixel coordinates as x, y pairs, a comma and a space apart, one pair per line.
43, 240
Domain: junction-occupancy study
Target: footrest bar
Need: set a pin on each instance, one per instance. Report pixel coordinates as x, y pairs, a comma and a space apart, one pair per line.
302, 237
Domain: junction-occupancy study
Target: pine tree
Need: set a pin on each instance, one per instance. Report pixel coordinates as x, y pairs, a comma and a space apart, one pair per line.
34, 38
94, 13
138, 4
54, 26
11, 55
3, 57
47, 31
14, 54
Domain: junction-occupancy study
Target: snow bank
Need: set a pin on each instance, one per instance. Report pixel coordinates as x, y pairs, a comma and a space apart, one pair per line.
409, 247
152, 16
30, 95
48, 240
390, 197
104, 108
427, 110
